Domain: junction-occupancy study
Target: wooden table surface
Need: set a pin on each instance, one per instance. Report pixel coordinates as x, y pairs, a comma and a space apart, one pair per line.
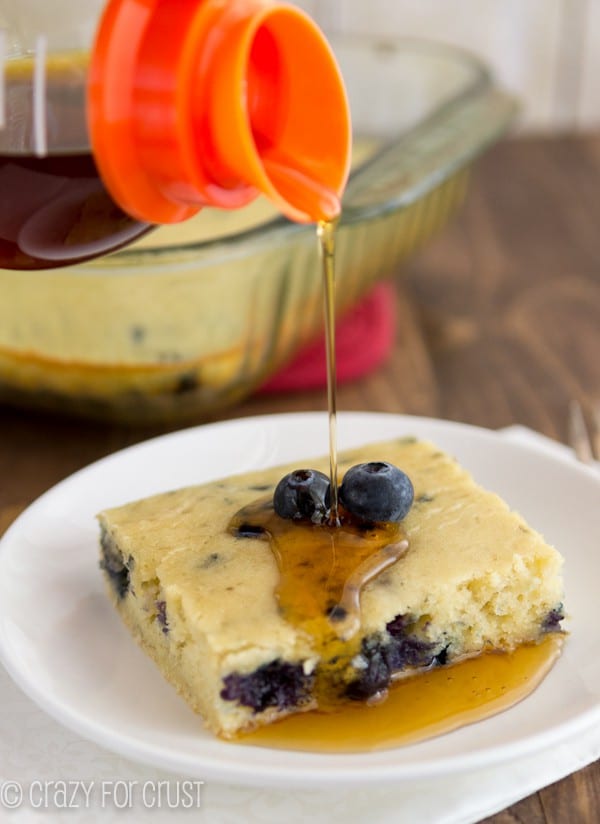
498, 323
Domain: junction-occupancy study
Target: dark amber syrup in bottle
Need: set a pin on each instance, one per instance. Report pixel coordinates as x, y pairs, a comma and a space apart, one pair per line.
54, 208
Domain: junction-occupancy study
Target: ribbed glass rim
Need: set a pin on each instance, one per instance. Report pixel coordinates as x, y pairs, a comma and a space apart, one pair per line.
278, 229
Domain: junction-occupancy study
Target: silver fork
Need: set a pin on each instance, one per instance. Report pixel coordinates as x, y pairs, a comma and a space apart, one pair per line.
584, 440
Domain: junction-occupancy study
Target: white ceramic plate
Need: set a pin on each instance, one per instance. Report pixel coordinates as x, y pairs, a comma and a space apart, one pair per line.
62, 642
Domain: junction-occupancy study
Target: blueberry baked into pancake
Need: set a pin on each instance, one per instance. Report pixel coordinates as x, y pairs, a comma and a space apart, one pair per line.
256, 603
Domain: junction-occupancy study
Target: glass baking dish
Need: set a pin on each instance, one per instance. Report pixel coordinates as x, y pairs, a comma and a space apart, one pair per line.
195, 317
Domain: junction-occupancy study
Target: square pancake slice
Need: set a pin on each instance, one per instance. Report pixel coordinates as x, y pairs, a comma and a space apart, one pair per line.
252, 617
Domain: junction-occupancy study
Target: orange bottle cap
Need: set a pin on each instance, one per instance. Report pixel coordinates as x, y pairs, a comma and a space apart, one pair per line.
208, 103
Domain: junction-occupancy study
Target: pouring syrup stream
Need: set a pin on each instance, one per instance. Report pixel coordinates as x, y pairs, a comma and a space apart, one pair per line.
326, 236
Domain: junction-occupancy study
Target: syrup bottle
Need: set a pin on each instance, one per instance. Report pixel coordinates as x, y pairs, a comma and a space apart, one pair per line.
116, 116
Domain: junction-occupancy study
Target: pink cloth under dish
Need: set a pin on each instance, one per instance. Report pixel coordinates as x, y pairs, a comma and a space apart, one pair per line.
364, 337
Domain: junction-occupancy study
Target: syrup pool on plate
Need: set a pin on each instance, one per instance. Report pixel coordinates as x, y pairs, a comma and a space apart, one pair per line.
418, 707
